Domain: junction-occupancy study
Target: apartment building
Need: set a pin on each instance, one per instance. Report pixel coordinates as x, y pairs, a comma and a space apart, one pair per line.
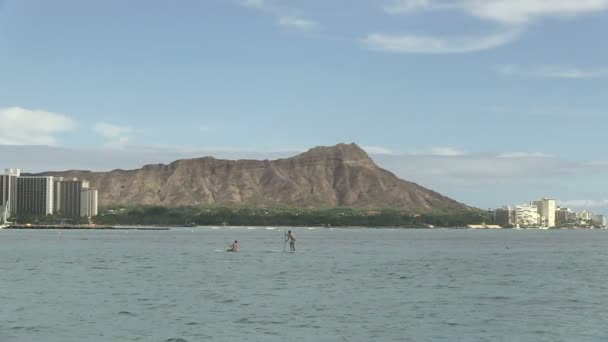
45, 195
8, 190
527, 216
35, 195
88, 203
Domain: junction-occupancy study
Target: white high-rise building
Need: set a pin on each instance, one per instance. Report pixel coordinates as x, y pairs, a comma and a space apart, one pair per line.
8, 190
69, 197
35, 195
88, 203
45, 195
527, 216
584, 215
546, 210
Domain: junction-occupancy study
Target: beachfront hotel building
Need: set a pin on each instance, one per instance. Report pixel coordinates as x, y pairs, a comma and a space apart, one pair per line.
8, 190
527, 216
75, 198
584, 215
564, 215
69, 196
546, 211
35, 195
88, 203
45, 195
546, 214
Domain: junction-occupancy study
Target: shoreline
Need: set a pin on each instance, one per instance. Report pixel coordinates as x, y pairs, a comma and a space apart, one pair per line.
82, 227
158, 227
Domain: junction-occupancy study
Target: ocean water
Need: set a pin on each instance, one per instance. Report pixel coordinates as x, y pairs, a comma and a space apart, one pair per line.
341, 285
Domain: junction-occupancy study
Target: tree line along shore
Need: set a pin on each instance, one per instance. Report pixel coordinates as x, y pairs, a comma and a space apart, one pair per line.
275, 216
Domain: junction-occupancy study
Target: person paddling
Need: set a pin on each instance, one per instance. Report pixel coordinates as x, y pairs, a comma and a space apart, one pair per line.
234, 247
292, 241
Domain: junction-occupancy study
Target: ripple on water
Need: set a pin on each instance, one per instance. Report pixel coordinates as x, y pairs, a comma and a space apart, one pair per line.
99, 268
32, 329
246, 320
227, 301
144, 267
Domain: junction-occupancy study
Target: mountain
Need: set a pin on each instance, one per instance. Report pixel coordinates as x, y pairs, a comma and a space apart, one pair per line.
341, 175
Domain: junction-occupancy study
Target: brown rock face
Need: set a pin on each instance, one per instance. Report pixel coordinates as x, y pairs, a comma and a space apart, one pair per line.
341, 175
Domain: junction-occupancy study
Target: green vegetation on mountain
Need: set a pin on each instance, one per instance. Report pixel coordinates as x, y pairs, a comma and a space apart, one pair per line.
284, 216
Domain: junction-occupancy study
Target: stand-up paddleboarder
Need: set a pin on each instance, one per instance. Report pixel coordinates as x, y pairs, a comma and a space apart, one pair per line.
292, 241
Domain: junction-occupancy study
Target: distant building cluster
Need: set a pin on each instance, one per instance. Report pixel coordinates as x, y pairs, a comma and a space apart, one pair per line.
46, 195
545, 214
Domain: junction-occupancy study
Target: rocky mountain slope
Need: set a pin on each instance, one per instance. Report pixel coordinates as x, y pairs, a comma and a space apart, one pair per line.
341, 175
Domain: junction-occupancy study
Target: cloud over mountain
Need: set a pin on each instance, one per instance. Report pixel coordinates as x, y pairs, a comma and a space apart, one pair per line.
20, 126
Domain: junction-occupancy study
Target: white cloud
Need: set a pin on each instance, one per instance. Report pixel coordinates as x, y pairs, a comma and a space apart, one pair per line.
510, 12
524, 11
254, 3
105, 158
545, 112
507, 70
447, 152
553, 72
377, 150
513, 15
406, 6
116, 136
594, 163
436, 45
560, 72
584, 203
285, 17
297, 23
20, 126
521, 155
482, 169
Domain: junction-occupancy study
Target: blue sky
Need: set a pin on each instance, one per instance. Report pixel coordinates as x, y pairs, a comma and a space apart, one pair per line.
490, 102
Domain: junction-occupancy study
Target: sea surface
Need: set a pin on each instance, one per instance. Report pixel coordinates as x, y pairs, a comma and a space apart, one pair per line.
340, 285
